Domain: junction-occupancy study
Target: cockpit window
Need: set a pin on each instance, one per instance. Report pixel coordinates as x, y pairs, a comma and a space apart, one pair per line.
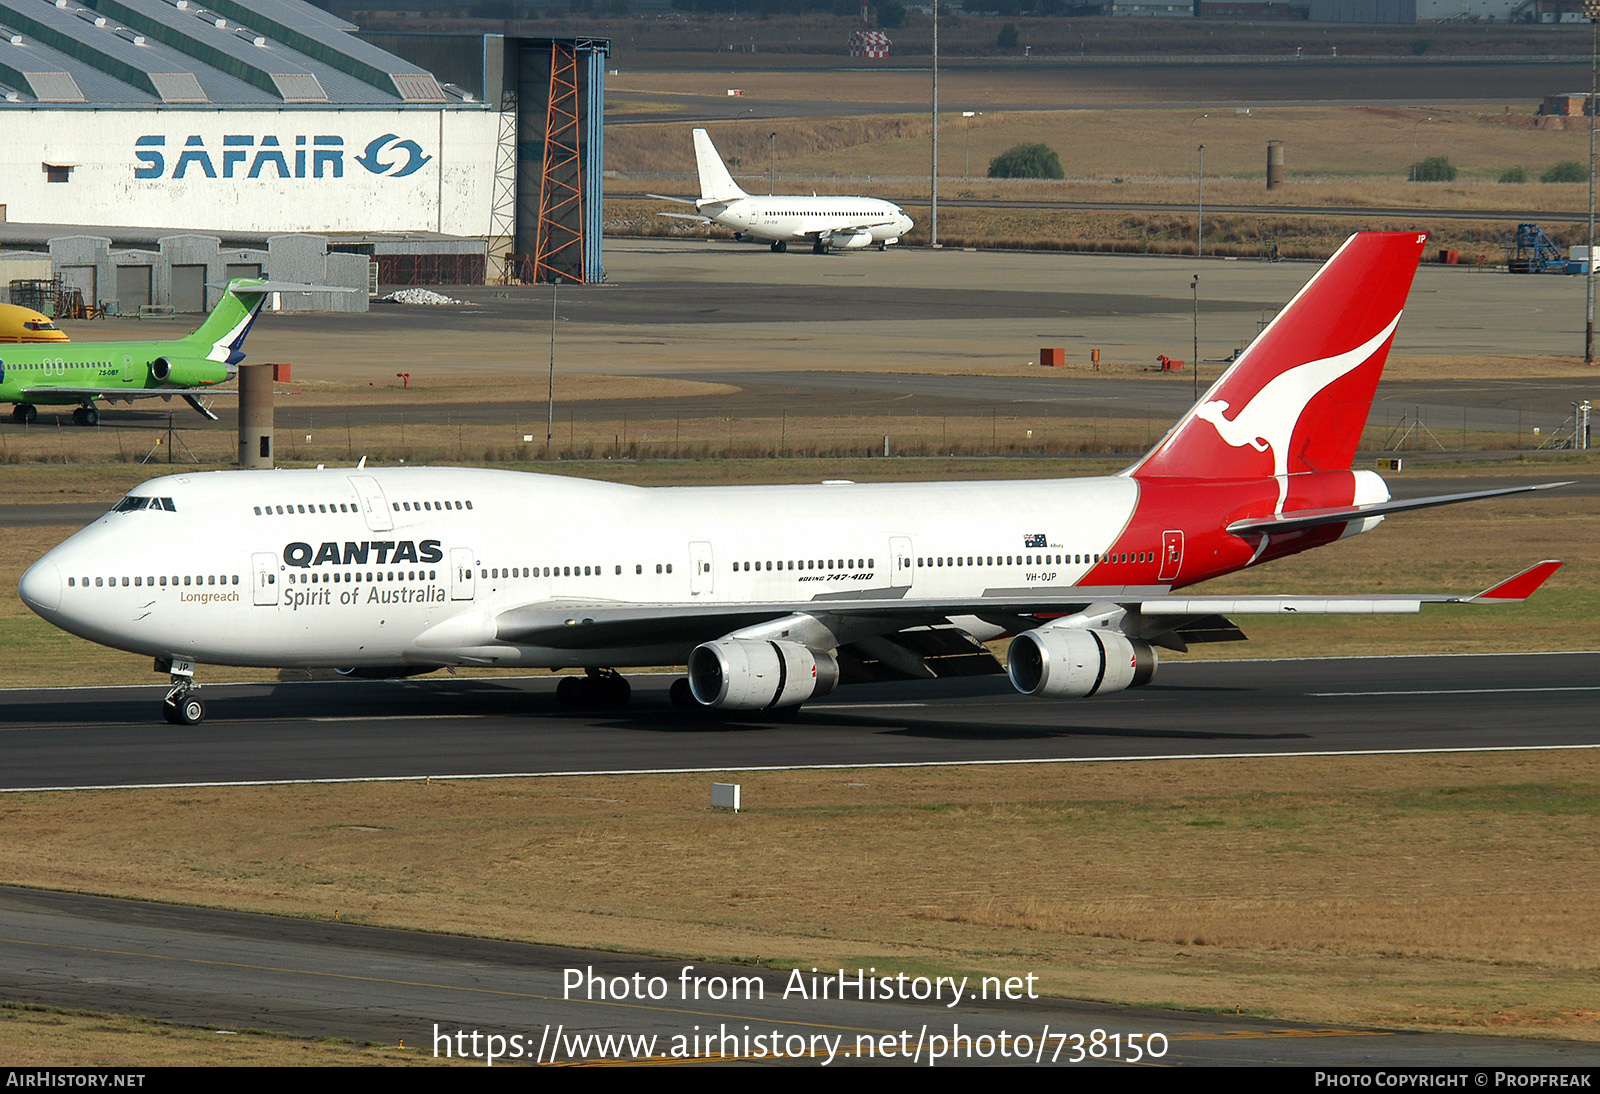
134, 501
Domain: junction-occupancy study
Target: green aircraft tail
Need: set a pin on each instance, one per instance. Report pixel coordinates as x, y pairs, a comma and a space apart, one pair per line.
221, 336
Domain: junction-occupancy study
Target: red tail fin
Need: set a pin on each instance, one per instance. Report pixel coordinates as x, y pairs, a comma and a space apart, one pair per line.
1299, 397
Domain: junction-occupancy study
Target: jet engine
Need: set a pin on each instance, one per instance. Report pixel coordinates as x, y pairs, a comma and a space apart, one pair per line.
188, 371
848, 240
754, 674
1075, 663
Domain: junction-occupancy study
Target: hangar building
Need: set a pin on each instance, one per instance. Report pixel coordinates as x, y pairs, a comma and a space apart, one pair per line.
250, 121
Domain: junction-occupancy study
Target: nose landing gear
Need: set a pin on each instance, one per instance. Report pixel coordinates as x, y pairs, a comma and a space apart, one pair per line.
181, 707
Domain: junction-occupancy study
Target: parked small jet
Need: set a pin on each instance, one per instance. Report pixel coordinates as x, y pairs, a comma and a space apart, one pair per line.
772, 595
83, 373
19, 324
824, 222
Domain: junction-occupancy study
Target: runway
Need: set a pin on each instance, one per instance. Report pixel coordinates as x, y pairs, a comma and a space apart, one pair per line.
347, 730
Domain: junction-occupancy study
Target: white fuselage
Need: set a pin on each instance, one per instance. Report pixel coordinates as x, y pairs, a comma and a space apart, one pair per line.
418, 566
839, 221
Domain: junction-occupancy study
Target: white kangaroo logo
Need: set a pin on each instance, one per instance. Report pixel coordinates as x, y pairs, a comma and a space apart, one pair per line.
1268, 420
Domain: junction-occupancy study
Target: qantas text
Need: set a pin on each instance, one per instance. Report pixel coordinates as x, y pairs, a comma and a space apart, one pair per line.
378, 552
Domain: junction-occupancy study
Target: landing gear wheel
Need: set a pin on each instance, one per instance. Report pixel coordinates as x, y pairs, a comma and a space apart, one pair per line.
25, 413
86, 415
600, 689
186, 710
681, 695
819, 248
780, 246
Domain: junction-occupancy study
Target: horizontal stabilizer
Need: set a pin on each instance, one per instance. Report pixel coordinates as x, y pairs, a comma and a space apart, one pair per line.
1519, 587
1312, 518
669, 197
686, 216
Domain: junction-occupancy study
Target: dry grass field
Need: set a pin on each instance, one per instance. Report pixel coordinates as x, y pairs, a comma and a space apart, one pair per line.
1409, 893
1336, 156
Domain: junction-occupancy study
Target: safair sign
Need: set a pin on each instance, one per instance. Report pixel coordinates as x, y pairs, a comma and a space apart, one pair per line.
248, 156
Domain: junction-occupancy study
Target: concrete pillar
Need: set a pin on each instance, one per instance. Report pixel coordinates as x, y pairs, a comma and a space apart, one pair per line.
255, 416
1274, 164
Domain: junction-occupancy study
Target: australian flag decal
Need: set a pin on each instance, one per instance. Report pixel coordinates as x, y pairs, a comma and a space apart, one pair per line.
1037, 540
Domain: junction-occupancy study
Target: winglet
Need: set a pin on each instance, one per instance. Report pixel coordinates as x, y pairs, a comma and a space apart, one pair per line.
1519, 587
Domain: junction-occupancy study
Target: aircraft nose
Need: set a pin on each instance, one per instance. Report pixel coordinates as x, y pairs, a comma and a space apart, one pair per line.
40, 587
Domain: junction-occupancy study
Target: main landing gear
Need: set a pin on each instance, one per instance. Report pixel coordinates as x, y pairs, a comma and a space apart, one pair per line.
181, 707
86, 415
780, 246
819, 248
24, 414
597, 689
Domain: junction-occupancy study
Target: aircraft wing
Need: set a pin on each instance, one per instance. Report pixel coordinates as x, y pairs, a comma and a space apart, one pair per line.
578, 625
62, 395
122, 394
813, 233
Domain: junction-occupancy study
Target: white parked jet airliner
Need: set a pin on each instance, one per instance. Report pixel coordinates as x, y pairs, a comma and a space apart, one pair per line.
771, 595
824, 222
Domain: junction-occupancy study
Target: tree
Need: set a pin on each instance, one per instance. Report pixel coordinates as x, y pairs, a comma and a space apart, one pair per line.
1514, 174
1008, 40
1566, 171
1433, 169
1027, 161
891, 14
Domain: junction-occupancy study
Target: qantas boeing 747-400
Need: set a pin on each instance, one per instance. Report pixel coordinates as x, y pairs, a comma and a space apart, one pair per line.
772, 595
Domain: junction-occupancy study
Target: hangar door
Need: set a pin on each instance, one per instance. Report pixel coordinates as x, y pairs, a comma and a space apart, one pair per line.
189, 288
81, 278
133, 289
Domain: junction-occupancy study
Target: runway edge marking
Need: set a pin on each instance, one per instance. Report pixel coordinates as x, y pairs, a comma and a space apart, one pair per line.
802, 767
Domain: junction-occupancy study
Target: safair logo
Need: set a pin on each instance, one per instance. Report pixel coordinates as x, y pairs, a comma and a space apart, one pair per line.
246, 156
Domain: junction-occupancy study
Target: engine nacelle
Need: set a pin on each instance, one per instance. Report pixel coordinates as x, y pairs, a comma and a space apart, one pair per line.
850, 240
1075, 663
188, 371
753, 674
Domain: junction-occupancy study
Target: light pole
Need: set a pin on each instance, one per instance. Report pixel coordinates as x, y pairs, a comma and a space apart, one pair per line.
1591, 8
969, 115
1200, 207
772, 169
1194, 290
933, 225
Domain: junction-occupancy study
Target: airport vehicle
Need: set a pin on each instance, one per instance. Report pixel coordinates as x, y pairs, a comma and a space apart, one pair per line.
19, 324
824, 222
772, 595
84, 373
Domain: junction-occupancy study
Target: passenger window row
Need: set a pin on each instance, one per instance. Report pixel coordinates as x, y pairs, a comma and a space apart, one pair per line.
336, 577
151, 582
829, 564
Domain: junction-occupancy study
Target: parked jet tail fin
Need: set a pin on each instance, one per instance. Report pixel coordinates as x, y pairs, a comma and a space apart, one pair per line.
221, 336
715, 182
1298, 398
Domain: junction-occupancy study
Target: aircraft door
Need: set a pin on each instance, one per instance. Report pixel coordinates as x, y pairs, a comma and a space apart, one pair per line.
701, 569
1171, 555
462, 570
265, 579
374, 506
903, 567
